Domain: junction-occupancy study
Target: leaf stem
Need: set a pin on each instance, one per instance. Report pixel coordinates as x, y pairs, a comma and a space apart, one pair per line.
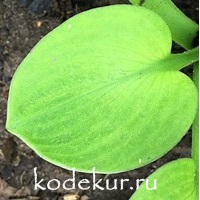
181, 60
195, 132
183, 29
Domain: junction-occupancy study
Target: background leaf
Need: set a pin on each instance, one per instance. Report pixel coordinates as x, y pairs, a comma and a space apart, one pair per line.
183, 29
94, 92
175, 180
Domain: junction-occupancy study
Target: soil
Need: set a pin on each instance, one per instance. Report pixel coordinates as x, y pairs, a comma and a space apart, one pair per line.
22, 24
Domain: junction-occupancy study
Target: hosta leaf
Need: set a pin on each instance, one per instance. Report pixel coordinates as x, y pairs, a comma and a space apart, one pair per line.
174, 181
96, 92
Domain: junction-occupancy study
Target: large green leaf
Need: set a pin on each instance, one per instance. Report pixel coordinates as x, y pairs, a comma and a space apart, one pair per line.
174, 181
101, 90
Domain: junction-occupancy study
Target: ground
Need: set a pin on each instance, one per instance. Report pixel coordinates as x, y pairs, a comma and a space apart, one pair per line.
22, 24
